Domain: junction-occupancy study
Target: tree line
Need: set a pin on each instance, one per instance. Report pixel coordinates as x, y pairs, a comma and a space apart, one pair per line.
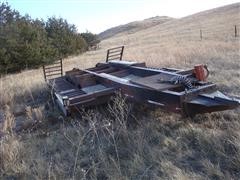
29, 43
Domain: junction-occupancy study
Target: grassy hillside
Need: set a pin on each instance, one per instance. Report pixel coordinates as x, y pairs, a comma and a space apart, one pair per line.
126, 141
133, 27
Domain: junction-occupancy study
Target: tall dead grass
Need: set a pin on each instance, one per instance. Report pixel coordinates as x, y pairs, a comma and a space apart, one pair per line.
122, 142
11, 161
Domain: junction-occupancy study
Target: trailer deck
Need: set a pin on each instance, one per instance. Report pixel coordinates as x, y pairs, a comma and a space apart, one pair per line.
175, 90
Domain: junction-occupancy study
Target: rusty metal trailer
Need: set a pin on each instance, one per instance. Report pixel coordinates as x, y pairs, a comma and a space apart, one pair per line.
180, 91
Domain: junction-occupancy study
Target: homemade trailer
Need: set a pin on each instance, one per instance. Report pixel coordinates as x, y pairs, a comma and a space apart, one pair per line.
180, 91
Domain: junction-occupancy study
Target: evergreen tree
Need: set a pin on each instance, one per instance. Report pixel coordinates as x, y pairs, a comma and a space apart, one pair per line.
90, 38
28, 43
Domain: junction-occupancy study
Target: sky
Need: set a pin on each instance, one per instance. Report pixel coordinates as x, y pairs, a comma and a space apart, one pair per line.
98, 15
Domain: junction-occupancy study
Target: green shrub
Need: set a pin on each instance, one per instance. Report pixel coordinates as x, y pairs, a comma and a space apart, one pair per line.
29, 43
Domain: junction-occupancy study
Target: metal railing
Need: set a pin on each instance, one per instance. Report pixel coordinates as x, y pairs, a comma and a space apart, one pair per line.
115, 53
53, 70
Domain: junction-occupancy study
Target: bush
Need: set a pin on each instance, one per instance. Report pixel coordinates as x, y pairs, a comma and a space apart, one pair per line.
90, 38
29, 43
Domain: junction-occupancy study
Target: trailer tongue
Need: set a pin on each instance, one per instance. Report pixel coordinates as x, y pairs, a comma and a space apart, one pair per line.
181, 91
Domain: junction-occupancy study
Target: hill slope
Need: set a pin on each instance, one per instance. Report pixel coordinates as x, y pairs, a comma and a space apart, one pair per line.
215, 24
134, 26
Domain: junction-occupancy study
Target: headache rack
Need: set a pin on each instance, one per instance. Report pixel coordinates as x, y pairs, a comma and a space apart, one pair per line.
181, 91
53, 70
115, 53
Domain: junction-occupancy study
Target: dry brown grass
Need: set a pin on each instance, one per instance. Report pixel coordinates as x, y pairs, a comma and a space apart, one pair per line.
11, 156
123, 141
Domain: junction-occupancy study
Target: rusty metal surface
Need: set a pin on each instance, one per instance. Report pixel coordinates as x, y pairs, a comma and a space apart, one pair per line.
60, 84
153, 82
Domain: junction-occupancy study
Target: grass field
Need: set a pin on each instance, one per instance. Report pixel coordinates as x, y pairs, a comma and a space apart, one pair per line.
129, 141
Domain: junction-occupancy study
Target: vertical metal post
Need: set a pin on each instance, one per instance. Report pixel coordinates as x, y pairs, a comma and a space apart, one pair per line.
44, 73
107, 55
61, 67
236, 31
121, 53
